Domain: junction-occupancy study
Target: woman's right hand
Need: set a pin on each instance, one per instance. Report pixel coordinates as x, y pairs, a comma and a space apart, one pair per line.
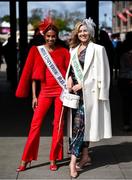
69, 84
34, 103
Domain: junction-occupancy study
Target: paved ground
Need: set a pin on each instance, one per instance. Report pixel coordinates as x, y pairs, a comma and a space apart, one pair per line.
111, 159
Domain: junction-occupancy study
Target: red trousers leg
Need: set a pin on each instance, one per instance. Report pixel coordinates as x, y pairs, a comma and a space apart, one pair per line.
56, 152
31, 148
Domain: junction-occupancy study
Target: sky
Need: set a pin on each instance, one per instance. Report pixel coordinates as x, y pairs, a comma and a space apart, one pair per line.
105, 7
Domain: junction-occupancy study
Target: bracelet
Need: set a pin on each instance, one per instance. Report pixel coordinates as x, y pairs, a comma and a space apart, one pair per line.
34, 97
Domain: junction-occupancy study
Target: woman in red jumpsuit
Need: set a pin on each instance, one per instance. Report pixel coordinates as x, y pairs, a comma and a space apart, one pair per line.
36, 69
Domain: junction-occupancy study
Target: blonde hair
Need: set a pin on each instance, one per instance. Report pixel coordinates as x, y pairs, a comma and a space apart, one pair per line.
74, 41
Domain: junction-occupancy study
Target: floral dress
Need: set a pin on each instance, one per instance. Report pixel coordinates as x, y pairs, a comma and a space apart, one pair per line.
76, 141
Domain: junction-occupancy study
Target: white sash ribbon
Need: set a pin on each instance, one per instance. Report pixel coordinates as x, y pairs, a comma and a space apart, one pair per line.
52, 66
77, 67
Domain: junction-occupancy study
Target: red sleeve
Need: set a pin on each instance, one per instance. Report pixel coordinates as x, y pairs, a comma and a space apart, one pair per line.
25, 79
38, 72
67, 58
34, 69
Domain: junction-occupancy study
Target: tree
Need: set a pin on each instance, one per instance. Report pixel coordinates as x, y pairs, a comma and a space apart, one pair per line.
62, 24
75, 16
6, 18
36, 16
64, 21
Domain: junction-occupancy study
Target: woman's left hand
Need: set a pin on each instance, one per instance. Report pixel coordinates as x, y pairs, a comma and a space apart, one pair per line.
34, 103
76, 87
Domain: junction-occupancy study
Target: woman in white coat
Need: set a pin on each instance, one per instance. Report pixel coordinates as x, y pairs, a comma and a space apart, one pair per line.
88, 75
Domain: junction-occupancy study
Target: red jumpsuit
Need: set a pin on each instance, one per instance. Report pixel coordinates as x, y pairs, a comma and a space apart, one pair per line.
35, 69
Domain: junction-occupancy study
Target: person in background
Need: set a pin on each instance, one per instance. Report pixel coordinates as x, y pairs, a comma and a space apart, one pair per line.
37, 39
1, 53
34, 70
11, 67
105, 41
88, 75
117, 43
125, 81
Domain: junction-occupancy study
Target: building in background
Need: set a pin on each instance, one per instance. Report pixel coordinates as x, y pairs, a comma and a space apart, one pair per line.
122, 18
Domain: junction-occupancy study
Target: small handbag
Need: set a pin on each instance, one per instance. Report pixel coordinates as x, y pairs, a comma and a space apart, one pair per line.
71, 100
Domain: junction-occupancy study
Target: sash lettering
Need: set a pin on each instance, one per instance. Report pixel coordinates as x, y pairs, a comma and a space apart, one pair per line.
52, 66
77, 68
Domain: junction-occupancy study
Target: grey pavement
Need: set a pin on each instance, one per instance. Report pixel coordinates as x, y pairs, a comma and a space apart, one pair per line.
111, 158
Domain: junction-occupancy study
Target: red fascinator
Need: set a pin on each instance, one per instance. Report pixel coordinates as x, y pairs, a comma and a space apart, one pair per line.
45, 24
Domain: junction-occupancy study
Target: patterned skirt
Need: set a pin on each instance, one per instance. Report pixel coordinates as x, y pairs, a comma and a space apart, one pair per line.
76, 142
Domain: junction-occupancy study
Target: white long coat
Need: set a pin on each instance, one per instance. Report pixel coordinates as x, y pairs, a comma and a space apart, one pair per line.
95, 86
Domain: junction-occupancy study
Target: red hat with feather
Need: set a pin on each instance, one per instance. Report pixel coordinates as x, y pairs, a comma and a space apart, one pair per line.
45, 24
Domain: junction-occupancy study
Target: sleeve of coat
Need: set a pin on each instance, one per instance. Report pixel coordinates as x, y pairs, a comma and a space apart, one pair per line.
104, 82
25, 79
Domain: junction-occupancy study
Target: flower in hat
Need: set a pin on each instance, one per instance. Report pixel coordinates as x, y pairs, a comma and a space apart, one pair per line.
90, 26
45, 24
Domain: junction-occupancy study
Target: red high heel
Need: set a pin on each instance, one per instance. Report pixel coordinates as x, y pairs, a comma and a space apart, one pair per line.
53, 167
23, 167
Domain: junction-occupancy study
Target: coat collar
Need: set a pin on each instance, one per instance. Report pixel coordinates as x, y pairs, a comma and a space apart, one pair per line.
88, 56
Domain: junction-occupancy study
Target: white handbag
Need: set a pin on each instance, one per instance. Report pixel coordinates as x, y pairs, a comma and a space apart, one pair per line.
71, 100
